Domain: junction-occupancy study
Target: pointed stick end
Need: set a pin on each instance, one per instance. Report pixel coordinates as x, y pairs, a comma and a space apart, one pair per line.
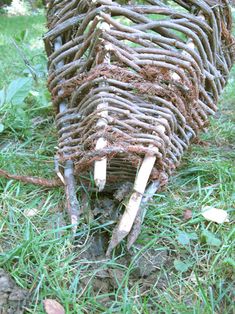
100, 183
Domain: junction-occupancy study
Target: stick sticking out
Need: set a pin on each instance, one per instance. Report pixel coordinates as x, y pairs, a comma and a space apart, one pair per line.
136, 228
57, 169
69, 180
70, 189
131, 220
32, 180
100, 166
128, 218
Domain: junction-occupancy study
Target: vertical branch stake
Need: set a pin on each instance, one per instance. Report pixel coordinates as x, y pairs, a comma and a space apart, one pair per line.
69, 180
100, 166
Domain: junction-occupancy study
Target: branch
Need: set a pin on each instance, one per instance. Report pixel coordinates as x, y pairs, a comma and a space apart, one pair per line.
32, 180
73, 207
100, 166
126, 222
26, 61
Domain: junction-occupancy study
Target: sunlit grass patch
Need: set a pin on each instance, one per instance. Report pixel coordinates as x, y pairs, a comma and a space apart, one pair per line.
14, 28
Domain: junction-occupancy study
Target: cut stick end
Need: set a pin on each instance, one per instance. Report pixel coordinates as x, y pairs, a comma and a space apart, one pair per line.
100, 173
100, 183
60, 176
126, 222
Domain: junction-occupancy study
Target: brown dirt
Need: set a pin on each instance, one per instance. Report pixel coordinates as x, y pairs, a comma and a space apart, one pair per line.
105, 278
12, 298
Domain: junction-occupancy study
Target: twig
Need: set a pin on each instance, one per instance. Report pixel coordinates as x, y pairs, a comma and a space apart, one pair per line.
128, 218
57, 169
69, 180
100, 166
26, 61
135, 231
32, 180
70, 189
149, 193
133, 212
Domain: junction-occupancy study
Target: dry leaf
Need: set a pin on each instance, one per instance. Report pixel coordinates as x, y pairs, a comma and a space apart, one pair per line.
53, 307
215, 214
188, 214
31, 212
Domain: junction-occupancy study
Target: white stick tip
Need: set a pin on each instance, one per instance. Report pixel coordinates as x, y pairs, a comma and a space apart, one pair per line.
100, 184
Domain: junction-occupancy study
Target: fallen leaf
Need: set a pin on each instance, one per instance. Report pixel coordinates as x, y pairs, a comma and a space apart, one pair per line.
31, 212
215, 214
53, 307
188, 214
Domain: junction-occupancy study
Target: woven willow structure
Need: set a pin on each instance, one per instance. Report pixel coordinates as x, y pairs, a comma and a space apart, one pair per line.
132, 83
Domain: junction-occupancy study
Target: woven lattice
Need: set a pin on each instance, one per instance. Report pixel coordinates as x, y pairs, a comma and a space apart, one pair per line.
141, 75
132, 83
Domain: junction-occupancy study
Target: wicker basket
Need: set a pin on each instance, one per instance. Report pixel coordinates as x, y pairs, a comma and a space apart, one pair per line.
132, 83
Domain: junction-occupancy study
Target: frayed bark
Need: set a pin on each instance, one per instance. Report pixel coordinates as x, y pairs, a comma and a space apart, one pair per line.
32, 180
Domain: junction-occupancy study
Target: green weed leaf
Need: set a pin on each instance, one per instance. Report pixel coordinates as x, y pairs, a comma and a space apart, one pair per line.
210, 238
183, 238
230, 261
22, 36
1, 127
193, 236
180, 266
18, 90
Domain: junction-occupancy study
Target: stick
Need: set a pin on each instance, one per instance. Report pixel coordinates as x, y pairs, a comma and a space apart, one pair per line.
32, 180
26, 61
128, 218
69, 180
57, 169
133, 211
70, 189
100, 166
135, 231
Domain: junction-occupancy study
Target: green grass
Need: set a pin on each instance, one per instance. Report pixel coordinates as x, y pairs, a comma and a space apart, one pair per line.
11, 64
38, 250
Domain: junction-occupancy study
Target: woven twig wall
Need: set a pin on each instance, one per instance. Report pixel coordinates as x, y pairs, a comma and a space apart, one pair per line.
131, 79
